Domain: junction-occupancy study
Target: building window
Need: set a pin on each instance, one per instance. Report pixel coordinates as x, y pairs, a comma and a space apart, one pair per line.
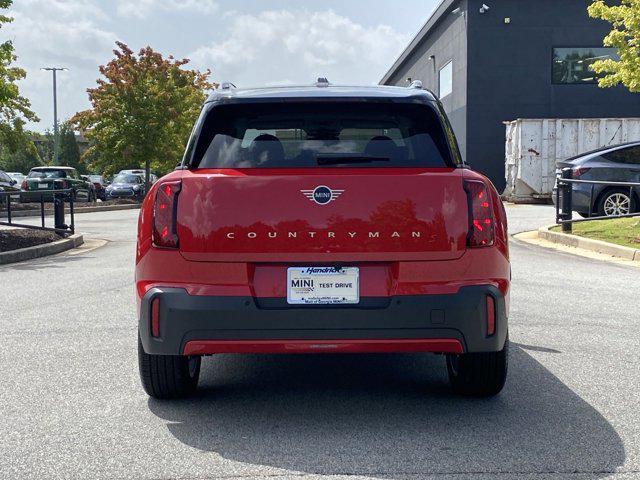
445, 80
571, 64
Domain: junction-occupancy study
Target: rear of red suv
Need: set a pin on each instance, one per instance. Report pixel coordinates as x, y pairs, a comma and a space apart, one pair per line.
322, 220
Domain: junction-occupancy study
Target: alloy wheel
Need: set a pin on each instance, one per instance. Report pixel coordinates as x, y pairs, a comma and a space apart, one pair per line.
617, 204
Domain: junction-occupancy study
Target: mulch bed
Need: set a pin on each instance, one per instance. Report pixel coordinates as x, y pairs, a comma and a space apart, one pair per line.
23, 238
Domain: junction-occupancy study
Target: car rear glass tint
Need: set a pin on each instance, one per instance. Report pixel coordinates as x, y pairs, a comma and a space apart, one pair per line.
47, 174
339, 134
630, 155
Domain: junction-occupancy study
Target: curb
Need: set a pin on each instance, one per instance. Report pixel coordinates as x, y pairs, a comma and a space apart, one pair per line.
36, 213
37, 251
598, 246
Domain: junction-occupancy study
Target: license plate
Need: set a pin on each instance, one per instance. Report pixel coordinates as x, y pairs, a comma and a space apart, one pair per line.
322, 285
43, 185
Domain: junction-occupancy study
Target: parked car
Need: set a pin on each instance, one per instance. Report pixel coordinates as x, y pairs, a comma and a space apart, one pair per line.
152, 177
98, 184
18, 177
125, 185
322, 219
43, 178
620, 163
8, 184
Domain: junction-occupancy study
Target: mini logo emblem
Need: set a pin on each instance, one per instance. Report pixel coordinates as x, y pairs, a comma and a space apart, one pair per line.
321, 194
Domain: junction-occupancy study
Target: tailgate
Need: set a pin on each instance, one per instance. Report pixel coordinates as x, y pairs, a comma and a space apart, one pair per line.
39, 184
320, 215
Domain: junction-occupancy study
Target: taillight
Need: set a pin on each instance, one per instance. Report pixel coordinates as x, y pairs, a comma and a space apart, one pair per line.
482, 222
579, 171
24, 184
165, 210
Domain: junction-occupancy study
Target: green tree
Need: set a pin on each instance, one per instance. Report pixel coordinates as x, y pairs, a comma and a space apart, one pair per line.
69, 153
624, 18
14, 109
44, 146
22, 159
142, 111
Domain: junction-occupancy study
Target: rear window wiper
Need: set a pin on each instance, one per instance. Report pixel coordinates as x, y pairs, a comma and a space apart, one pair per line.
340, 158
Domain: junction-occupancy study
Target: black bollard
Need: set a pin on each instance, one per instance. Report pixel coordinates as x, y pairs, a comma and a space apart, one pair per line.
567, 201
58, 205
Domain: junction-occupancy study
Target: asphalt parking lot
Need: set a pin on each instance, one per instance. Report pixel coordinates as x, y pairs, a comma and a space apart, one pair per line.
72, 407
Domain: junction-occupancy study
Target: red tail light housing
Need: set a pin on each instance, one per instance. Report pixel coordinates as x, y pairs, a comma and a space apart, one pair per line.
579, 171
165, 210
24, 184
481, 217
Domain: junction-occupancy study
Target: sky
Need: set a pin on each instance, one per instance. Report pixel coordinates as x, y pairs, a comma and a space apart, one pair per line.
247, 42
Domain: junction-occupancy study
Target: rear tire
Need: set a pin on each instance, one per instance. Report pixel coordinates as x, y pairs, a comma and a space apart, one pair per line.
479, 374
168, 376
615, 201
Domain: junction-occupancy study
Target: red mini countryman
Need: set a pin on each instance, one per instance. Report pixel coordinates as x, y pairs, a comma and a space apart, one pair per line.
322, 219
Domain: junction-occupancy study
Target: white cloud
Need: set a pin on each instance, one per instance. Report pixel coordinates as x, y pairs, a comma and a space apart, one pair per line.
143, 8
285, 46
62, 33
60, 9
265, 48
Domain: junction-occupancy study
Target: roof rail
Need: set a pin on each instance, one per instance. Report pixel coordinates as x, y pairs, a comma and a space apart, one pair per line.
417, 84
226, 86
322, 82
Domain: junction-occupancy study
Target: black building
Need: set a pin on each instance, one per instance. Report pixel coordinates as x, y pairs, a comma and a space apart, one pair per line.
514, 59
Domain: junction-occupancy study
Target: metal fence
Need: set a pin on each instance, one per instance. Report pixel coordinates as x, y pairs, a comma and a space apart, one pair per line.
564, 200
59, 195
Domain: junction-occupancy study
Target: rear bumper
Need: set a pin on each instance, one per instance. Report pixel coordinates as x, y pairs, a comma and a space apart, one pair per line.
444, 323
27, 196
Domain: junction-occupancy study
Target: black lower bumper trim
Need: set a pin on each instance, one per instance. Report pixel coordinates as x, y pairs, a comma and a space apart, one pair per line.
184, 317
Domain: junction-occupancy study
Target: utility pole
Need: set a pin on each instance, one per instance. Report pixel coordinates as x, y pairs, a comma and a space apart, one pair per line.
55, 70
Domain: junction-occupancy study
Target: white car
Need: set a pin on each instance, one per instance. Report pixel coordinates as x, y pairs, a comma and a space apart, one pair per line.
18, 177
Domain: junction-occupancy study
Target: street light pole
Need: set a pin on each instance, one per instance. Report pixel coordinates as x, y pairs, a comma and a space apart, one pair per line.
55, 70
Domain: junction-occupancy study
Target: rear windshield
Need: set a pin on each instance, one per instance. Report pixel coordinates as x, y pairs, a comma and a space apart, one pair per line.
321, 134
47, 174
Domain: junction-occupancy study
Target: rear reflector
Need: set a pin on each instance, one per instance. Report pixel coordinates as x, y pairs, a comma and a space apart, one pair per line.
155, 317
435, 345
481, 228
164, 215
491, 315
